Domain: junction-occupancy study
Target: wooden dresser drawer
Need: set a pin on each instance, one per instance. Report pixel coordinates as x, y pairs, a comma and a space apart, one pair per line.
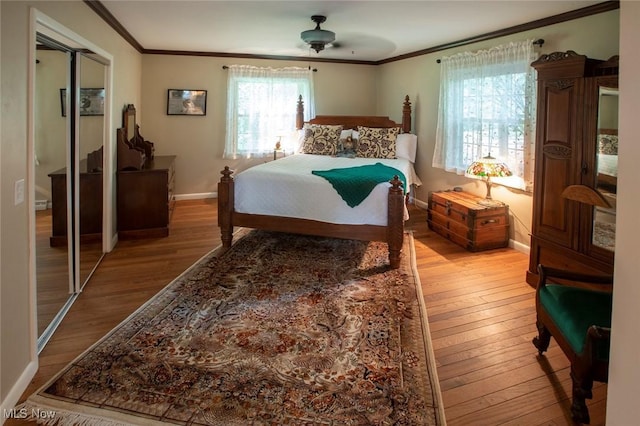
146, 198
459, 217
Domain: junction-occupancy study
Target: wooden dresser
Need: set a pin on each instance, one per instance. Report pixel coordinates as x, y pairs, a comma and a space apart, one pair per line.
90, 205
459, 217
146, 198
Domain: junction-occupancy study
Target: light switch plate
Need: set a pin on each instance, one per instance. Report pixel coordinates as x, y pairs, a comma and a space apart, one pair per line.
19, 191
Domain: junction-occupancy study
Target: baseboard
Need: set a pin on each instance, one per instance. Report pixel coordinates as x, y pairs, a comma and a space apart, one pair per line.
196, 196
522, 248
41, 204
18, 389
421, 204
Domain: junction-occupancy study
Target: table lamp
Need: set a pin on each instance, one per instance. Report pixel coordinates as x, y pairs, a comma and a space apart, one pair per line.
486, 168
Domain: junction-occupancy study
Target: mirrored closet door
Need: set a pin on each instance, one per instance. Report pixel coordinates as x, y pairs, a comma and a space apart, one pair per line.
90, 174
68, 149
51, 152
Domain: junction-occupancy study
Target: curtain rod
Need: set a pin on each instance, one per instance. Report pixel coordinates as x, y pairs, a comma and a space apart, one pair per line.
225, 67
538, 42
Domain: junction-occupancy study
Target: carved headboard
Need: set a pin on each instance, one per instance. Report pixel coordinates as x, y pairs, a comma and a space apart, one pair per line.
353, 121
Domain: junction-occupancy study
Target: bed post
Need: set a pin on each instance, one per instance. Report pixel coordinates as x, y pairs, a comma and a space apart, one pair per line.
406, 115
300, 114
225, 206
395, 221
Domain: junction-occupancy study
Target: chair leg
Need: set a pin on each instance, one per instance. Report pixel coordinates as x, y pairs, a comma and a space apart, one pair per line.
582, 386
542, 340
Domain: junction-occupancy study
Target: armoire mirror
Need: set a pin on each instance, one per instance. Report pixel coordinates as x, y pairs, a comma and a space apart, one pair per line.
604, 219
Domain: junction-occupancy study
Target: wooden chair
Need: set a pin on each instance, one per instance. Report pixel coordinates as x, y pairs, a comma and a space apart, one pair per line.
575, 309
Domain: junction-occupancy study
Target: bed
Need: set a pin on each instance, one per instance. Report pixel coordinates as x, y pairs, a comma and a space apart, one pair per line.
293, 194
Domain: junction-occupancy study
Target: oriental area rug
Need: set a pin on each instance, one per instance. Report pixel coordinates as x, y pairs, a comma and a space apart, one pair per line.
278, 330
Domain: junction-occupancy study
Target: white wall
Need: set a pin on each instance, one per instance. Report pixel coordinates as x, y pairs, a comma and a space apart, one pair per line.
624, 372
343, 89
595, 36
50, 126
198, 141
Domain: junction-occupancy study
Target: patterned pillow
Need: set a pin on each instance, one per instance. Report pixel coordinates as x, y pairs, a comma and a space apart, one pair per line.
321, 139
374, 142
608, 144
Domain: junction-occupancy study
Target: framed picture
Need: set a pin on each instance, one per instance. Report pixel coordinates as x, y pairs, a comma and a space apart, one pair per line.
186, 102
91, 101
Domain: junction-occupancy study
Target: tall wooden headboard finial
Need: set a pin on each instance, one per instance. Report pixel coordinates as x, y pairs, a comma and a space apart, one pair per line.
406, 115
300, 114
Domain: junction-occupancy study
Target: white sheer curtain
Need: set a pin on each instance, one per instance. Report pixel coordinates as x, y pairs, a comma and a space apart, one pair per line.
487, 105
261, 108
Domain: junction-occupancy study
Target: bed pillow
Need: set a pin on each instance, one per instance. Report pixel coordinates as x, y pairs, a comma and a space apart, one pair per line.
321, 139
346, 133
406, 145
608, 144
377, 142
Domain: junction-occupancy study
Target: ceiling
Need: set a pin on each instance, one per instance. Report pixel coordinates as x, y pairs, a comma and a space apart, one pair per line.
367, 31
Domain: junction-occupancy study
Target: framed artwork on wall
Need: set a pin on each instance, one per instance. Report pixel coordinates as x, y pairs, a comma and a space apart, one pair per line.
186, 102
91, 101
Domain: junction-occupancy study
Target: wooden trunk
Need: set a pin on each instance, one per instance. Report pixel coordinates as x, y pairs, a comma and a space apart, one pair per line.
459, 217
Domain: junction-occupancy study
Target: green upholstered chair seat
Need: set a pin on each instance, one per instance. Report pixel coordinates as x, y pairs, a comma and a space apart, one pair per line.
574, 310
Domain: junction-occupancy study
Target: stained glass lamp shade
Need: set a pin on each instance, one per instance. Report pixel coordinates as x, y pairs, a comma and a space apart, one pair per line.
486, 168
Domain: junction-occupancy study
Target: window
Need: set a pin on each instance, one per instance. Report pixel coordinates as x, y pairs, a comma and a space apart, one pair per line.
261, 108
487, 106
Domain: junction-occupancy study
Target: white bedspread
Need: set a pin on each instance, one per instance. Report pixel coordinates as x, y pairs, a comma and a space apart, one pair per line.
286, 187
608, 164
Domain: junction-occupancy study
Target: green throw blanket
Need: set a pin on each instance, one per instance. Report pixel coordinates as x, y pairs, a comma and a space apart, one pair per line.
354, 184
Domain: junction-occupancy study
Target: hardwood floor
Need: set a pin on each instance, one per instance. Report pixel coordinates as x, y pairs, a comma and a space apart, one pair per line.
52, 269
52, 272
481, 315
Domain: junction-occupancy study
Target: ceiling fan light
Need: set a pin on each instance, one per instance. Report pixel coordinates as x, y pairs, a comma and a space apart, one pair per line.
318, 38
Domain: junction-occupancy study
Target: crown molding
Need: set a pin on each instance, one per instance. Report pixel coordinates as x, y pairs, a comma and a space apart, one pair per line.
606, 6
103, 12
551, 20
253, 56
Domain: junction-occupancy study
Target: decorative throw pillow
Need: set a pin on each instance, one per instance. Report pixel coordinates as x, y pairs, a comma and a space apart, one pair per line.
608, 144
321, 139
377, 142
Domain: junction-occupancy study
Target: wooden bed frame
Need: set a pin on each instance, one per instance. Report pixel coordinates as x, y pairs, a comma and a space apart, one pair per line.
392, 234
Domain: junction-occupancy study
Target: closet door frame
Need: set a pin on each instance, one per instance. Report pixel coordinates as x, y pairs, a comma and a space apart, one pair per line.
41, 23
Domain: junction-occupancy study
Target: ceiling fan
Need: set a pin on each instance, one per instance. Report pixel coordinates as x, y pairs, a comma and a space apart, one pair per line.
318, 38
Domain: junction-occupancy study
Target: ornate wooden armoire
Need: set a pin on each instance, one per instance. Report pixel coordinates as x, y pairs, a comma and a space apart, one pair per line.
576, 144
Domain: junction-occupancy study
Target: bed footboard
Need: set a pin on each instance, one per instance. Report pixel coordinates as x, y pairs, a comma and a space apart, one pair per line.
392, 234
225, 207
395, 221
